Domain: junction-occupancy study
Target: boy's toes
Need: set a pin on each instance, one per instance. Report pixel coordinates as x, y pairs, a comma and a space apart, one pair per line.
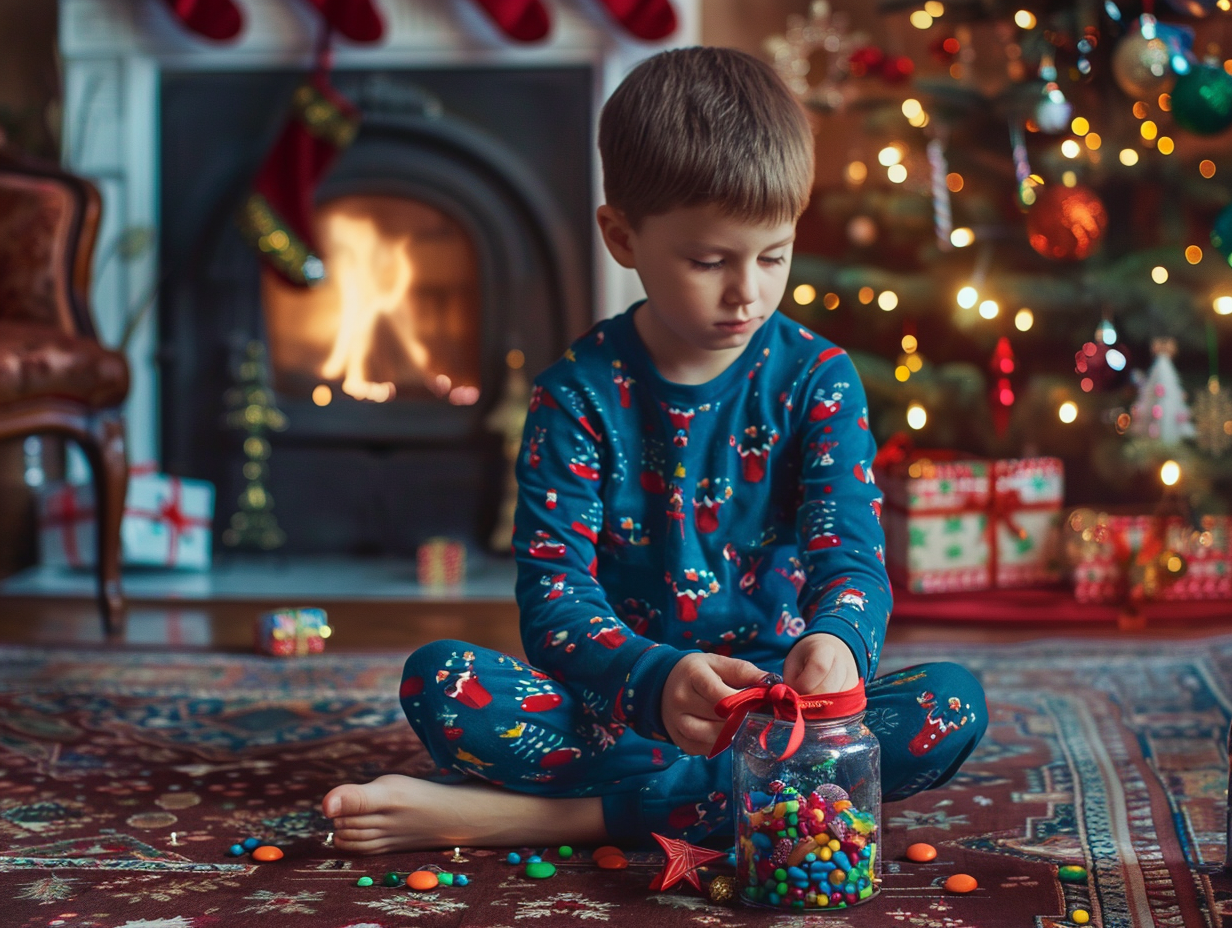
346, 800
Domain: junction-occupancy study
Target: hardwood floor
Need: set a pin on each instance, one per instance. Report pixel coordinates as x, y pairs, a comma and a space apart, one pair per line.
400, 627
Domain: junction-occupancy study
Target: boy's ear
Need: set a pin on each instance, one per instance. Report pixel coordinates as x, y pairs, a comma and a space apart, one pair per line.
617, 234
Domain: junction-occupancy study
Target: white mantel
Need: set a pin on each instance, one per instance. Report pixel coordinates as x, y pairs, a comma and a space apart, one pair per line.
115, 50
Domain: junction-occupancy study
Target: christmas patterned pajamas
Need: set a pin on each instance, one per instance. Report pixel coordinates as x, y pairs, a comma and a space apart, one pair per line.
488, 716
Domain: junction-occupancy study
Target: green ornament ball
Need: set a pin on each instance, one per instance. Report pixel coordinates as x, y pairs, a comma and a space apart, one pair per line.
1221, 233
1202, 100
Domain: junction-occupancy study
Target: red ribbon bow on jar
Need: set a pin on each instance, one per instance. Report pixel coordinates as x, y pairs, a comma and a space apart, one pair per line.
786, 705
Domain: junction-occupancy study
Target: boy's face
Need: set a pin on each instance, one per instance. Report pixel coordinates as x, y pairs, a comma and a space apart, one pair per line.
711, 280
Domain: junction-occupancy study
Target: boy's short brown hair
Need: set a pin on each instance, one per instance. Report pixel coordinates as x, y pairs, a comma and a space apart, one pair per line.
706, 125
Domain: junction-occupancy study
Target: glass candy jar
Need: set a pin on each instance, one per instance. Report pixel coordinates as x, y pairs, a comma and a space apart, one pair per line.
807, 786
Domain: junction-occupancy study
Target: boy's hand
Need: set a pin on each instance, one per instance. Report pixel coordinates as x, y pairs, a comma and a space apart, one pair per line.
696, 683
820, 664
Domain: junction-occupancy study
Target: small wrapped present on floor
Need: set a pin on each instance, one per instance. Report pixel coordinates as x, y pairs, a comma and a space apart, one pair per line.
972, 524
441, 562
1135, 558
166, 522
288, 632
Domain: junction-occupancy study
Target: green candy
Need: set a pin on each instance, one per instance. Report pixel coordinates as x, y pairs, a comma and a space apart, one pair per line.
391, 879
791, 832
364, 881
1071, 873
445, 879
793, 819
565, 852
781, 889
780, 874
540, 870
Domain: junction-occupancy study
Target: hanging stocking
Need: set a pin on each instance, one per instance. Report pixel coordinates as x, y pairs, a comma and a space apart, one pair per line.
522, 20
219, 20
277, 216
358, 20
648, 20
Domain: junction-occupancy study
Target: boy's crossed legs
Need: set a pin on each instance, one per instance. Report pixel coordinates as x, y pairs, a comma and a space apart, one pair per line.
555, 774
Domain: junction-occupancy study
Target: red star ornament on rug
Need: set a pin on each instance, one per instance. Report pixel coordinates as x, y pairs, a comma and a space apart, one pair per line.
683, 859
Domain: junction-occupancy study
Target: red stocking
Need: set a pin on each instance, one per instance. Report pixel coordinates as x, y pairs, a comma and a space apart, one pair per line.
277, 217
358, 20
523, 20
215, 19
649, 20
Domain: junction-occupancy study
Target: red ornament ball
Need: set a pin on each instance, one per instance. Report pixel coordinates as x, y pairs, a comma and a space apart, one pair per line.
1066, 223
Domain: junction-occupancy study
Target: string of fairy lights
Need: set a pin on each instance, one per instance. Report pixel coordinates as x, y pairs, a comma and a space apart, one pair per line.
1077, 138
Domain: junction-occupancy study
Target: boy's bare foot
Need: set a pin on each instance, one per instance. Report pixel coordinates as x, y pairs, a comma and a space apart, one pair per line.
397, 813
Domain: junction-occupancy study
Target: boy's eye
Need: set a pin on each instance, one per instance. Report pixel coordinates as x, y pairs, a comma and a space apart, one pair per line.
769, 260
707, 265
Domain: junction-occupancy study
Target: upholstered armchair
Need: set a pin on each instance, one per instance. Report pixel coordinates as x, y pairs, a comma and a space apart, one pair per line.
55, 375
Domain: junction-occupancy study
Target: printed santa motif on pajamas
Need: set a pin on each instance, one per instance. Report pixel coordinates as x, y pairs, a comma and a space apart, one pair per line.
654, 466
708, 498
826, 405
693, 587
557, 587
939, 723
680, 420
546, 547
852, 597
624, 383
675, 505
610, 635
819, 522
461, 683
790, 625
549, 499
754, 446
820, 453
694, 818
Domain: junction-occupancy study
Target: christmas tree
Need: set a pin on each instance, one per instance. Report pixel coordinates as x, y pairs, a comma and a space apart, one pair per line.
1014, 201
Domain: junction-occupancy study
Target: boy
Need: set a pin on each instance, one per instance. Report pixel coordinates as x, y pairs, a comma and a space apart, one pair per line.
695, 509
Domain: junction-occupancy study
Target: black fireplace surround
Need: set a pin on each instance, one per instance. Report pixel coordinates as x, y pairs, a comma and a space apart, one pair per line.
506, 152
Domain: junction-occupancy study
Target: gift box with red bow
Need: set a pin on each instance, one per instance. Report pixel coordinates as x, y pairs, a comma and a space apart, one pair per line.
292, 632
973, 524
166, 522
1136, 558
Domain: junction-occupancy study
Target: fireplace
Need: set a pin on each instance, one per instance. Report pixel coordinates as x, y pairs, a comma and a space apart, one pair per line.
453, 255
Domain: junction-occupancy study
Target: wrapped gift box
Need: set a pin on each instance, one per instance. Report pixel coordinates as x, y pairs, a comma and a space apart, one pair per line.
1123, 557
166, 522
287, 632
973, 524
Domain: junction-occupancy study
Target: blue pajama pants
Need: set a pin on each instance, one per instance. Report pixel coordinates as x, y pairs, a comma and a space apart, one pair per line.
485, 715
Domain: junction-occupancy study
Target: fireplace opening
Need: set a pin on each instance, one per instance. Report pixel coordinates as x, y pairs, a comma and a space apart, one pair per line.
397, 316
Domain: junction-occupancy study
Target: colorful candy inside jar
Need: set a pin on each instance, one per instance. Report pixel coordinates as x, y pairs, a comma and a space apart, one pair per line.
807, 778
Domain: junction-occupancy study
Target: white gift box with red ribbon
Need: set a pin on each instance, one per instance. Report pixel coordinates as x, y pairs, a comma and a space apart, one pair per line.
166, 522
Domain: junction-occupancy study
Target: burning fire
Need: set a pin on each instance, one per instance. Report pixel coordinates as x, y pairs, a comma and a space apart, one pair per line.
398, 312
372, 275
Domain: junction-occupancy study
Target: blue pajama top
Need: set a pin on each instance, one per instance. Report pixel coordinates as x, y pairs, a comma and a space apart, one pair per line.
657, 518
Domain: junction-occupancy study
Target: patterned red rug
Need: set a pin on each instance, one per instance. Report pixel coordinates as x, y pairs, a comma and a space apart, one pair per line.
1109, 755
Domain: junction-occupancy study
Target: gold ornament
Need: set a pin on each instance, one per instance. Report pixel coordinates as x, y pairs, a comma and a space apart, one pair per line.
722, 890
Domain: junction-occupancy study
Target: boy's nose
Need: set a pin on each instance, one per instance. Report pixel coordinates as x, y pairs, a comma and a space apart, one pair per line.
742, 289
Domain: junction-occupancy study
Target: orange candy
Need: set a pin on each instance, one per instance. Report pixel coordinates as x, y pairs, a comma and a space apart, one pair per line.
614, 862
266, 853
601, 852
961, 883
422, 880
921, 853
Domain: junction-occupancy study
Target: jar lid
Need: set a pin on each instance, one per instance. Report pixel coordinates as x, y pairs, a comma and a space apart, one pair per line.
834, 705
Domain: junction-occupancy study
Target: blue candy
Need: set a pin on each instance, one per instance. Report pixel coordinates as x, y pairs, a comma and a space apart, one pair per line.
809, 858
460, 879
772, 898
235, 850
841, 860
795, 873
534, 859
514, 857
762, 840
250, 843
